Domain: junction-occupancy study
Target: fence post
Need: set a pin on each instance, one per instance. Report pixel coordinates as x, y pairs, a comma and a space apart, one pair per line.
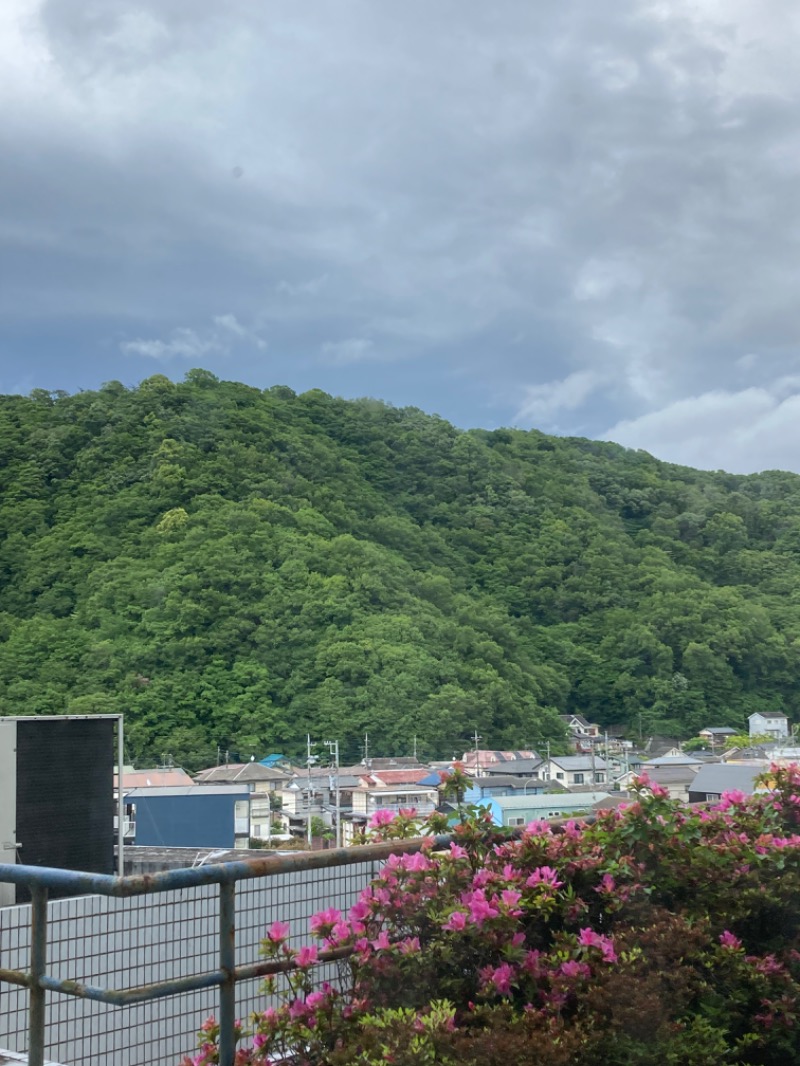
38, 969
227, 963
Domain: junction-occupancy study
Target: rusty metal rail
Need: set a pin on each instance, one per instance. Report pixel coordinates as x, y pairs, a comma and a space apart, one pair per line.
43, 880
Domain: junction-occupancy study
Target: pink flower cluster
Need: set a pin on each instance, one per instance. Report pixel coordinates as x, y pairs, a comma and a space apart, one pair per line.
532, 921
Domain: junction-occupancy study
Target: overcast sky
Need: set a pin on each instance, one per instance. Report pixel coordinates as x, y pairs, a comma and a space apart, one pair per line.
579, 216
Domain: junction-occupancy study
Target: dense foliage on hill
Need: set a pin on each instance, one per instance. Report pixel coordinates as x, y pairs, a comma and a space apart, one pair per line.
237, 567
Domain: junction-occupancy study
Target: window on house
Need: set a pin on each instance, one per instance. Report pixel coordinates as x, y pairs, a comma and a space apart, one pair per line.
516, 821
578, 779
599, 777
560, 776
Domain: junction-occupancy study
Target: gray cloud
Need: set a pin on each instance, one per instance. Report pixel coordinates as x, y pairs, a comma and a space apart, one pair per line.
577, 216
186, 343
183, 343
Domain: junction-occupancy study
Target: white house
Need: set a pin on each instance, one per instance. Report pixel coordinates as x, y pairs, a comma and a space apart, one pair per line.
769, 724
571, 770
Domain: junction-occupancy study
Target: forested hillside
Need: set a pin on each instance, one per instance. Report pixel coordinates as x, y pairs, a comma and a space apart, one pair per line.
237, 567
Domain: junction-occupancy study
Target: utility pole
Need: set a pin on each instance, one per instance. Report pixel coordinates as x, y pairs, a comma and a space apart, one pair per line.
366, 751
476, 739
546, 743
594, 763
309, 760
415, 745
333, 745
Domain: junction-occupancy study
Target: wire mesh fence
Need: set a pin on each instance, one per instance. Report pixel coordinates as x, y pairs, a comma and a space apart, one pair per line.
128, 942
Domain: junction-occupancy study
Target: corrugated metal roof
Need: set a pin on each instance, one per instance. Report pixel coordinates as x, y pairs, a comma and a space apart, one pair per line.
579, 762
248, 771
542, 802
513, 766
725, 777
155, 778
189, 790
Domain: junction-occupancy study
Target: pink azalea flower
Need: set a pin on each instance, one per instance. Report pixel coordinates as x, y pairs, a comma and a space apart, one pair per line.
532, 963
359, 911
380, 818
540, 828
325, 920
732, 798
480, 910
341, 931
418, 861
456, 922
510, 897
544, 875
589, 938
573, 968
306, 957
607, 885
728, 940
278, 932
501, 978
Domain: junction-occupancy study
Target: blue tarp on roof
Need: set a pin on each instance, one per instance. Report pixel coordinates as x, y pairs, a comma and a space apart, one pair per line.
432, 780
271, 760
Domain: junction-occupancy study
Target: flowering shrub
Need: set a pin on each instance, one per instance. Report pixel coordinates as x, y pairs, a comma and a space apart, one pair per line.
658, 934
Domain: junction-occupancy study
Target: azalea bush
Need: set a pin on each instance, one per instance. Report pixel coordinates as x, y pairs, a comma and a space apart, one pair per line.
657, 934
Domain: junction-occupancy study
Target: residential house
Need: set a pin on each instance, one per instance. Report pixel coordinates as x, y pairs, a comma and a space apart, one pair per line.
689, 761
658, 745
569, 770
515, 811
677, 780
718, 736
476, 763
713, 780
767, 723
368, 799
265, 816
583, 735
522, 769
394, 777
505, 785
275, 761
158, 777
392, 762
308, 796
254, 775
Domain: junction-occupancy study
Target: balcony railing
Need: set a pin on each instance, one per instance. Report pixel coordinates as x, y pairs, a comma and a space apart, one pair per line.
163, 936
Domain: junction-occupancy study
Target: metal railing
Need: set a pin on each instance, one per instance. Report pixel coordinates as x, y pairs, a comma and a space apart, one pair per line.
43, 882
